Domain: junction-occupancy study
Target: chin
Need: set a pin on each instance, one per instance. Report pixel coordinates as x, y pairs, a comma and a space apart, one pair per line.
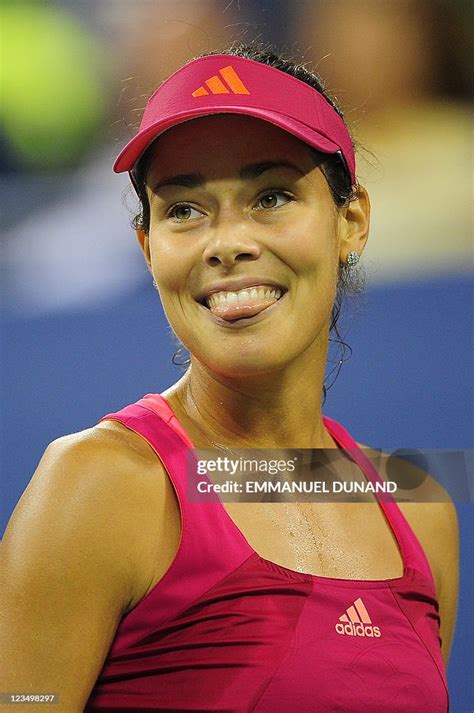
246, 363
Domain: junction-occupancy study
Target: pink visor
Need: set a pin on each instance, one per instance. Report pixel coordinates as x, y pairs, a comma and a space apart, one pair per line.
223, 83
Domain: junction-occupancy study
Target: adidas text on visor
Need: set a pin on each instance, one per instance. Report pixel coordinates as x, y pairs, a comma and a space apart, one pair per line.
218, 84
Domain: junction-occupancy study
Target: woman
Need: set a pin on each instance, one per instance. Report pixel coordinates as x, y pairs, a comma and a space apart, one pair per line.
142, 598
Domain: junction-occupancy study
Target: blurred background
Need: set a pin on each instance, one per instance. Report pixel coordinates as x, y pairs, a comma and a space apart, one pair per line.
82, 330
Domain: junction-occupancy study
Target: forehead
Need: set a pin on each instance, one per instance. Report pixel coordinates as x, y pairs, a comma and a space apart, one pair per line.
221, 144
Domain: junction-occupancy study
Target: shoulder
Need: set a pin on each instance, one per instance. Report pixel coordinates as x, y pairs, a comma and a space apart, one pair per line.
107, 464
431, 514
75, 558
425, 503
117, 456
433, 518
97, 490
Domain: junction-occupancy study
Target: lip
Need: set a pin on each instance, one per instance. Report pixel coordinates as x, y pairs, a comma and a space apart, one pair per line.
239, 284
243, 321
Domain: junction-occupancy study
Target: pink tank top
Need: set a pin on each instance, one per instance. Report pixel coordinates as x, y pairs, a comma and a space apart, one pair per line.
227, 630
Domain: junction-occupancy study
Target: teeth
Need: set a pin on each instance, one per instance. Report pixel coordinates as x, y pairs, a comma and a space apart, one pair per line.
244, 295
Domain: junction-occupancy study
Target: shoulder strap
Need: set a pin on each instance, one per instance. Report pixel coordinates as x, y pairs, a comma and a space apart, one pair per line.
410, 547
209, 548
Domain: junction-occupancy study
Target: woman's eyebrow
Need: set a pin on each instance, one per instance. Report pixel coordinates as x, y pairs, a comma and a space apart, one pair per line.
251, 171
187, 180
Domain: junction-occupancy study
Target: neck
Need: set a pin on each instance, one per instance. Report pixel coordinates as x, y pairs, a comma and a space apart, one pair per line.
278, 410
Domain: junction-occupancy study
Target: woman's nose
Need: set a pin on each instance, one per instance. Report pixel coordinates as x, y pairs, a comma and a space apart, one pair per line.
229, 245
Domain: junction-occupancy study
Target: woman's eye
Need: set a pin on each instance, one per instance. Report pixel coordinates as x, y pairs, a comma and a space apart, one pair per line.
273, 199
183, 212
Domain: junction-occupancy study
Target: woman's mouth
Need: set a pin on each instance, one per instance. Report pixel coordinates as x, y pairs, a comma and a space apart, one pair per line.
242, 306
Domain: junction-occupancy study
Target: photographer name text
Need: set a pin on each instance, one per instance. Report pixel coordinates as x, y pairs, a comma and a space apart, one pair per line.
313, 486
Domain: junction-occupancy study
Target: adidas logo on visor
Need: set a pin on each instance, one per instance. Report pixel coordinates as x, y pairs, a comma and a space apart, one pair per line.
357, 622
233, 85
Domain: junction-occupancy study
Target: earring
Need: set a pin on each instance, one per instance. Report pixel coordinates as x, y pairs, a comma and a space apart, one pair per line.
353, 258
178, 359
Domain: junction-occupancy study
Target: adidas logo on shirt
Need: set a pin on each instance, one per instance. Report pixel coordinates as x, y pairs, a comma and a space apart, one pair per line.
215, 85
357, 622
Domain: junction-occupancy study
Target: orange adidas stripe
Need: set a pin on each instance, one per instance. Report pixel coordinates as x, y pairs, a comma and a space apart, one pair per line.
200, 92
233, 80
363, 613
353, 616
216, 86
356, 613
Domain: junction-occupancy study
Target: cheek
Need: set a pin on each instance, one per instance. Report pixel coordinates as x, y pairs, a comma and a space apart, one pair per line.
314, 244
168, 262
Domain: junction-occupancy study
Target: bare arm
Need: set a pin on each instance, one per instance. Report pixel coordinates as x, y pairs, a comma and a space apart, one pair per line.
435, 525
71, 567
443, 554
433, 518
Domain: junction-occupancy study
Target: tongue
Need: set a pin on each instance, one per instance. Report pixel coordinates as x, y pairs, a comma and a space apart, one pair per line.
236, 310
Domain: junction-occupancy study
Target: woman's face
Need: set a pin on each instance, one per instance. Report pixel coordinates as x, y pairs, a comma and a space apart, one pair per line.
237, 200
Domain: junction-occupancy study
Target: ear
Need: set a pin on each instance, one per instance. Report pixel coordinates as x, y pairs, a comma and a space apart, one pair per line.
354, 225
144, 242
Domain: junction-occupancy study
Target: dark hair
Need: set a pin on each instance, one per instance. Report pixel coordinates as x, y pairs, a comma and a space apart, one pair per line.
350, 280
